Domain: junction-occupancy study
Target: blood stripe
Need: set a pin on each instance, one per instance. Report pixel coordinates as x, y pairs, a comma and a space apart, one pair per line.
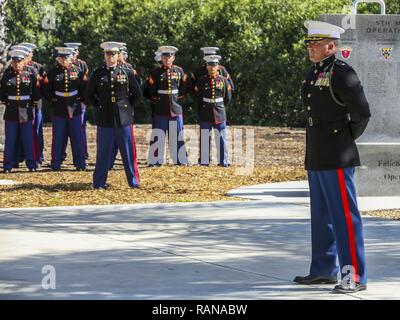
349, 221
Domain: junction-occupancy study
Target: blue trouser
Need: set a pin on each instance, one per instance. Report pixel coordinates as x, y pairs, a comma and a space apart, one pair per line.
113, 154
65, 143
336, 225
19, 154
38, 130
84, 120
24, 130
64, 146
73, 128
220, 141
173, 126
127, 146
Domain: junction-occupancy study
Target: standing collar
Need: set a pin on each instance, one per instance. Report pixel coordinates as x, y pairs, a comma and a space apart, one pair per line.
325, 62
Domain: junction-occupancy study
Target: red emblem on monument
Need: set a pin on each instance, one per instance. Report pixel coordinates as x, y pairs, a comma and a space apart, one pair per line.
345, 52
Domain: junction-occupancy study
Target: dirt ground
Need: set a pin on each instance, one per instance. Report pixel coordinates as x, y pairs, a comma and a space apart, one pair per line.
278, 156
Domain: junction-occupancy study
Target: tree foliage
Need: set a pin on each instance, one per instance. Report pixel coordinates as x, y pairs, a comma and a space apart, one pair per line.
261, 42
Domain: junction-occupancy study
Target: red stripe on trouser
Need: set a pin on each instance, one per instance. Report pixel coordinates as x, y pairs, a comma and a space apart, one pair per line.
349, 222
134, 156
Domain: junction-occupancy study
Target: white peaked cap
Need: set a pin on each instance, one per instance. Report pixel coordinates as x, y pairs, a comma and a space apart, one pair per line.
318, 30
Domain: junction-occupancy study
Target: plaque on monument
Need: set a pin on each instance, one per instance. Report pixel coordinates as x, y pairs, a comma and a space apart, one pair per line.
371, 45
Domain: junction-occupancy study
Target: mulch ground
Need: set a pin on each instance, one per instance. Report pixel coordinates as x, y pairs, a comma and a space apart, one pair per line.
278, 156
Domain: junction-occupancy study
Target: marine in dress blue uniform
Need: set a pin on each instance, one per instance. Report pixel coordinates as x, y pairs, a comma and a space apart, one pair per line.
167, 87
19, 148
337, 114
20, 91
202, 70
38, 114
113, 90
146, 94
64, 87
38, 122
82, 65
37, 69
213, 93
122, 61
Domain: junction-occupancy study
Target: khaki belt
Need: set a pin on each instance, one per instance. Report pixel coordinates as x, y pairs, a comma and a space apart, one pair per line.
17, 98
175, 91
215, 100
66, 94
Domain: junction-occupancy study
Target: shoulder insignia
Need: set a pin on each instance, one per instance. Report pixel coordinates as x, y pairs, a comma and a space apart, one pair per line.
343, 65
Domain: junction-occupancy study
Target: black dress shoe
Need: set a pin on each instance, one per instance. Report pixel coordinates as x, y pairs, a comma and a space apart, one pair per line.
154, 165
100, 188
224, 165
340, 288
314, 280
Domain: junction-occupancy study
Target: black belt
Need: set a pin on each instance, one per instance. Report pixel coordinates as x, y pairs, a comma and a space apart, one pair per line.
116, 98
312, 121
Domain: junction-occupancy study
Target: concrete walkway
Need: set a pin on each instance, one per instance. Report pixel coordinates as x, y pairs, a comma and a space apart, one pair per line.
297, 192
222, 250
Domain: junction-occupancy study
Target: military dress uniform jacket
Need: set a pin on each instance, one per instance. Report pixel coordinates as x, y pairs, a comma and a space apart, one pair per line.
39, 71
19, 90
166, 87
82, 65
126, 65
202, 71
337, 113
39, 68
64, 88
130, 66
213, 95
113, 92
